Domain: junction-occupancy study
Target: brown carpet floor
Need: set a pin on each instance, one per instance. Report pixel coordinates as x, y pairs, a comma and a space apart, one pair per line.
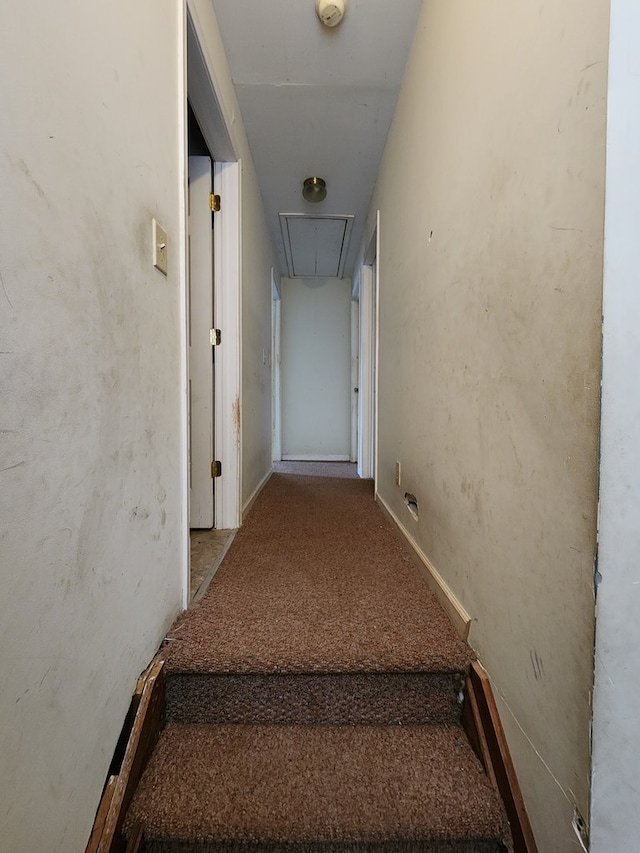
316, 581
312, 696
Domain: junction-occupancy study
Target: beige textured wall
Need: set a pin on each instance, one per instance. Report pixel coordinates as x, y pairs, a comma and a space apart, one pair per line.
491, 195
92, 531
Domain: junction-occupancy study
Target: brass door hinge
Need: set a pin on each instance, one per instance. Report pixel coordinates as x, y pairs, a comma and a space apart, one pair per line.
216, 469
214, 202
215, 337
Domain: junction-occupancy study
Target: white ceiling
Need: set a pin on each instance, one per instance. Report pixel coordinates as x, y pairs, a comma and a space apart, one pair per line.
317, 101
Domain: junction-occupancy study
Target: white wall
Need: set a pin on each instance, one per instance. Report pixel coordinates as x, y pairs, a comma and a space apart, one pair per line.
93, 538
316, 368
616, 816
491, 195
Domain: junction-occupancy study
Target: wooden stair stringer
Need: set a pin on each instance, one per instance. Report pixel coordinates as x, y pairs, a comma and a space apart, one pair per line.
141, 730
481, 722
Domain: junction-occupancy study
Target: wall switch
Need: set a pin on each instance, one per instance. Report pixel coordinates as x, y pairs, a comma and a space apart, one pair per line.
159, 236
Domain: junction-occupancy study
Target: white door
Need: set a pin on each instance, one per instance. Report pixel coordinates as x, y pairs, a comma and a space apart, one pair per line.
201, 451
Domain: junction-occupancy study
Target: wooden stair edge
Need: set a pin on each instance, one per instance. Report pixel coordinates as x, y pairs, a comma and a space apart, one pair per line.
481, 721
142, 727
137, 836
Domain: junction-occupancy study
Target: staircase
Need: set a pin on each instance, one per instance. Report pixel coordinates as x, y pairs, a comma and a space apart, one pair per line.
313, 698
316, 787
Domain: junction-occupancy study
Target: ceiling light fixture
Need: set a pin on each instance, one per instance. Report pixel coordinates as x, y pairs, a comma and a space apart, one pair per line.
330, 12
314, 190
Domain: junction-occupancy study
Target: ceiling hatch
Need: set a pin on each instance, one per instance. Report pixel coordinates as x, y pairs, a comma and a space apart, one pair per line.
315, 245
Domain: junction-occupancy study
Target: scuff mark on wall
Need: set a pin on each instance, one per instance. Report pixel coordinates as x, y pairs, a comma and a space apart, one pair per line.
537, 665
236, 420
44, 676
11, 467
139, 512
4, 290
22, 167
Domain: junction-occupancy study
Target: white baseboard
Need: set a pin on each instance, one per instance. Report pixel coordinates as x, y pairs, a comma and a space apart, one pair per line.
314, 457
247, 506
442, 591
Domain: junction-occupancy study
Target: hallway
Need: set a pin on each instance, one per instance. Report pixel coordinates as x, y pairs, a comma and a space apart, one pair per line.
313, 693
477, 158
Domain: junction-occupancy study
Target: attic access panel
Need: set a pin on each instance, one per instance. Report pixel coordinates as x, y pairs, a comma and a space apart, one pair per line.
315, 245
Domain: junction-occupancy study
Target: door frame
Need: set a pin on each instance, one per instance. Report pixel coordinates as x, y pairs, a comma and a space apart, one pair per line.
276, 380
369, 292
201, 87
355, 373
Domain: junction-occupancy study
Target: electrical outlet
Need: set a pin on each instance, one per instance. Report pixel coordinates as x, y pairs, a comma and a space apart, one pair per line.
398, 473
411, 502
159, 237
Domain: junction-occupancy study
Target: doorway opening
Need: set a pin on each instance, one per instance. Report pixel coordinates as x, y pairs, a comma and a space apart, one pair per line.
200, 322
208, 544
212, 397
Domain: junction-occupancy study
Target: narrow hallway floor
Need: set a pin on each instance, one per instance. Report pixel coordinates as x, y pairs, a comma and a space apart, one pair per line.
316, 578
208, 547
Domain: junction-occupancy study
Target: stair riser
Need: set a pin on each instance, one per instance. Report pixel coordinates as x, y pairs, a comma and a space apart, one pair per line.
329, 699
175, 846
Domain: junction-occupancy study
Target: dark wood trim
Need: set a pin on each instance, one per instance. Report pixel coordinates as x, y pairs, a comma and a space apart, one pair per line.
473, 726
101, 815
136, 839
145, 721
482, 724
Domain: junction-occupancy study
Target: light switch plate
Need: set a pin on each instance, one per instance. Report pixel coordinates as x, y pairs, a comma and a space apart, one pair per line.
159, 236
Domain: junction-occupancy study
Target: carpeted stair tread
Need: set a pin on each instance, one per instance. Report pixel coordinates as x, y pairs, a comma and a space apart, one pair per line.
296, 787
316, 580
319, 699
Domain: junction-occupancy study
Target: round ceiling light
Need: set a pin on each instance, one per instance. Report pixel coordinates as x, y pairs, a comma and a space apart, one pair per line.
314, 190
330, 12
